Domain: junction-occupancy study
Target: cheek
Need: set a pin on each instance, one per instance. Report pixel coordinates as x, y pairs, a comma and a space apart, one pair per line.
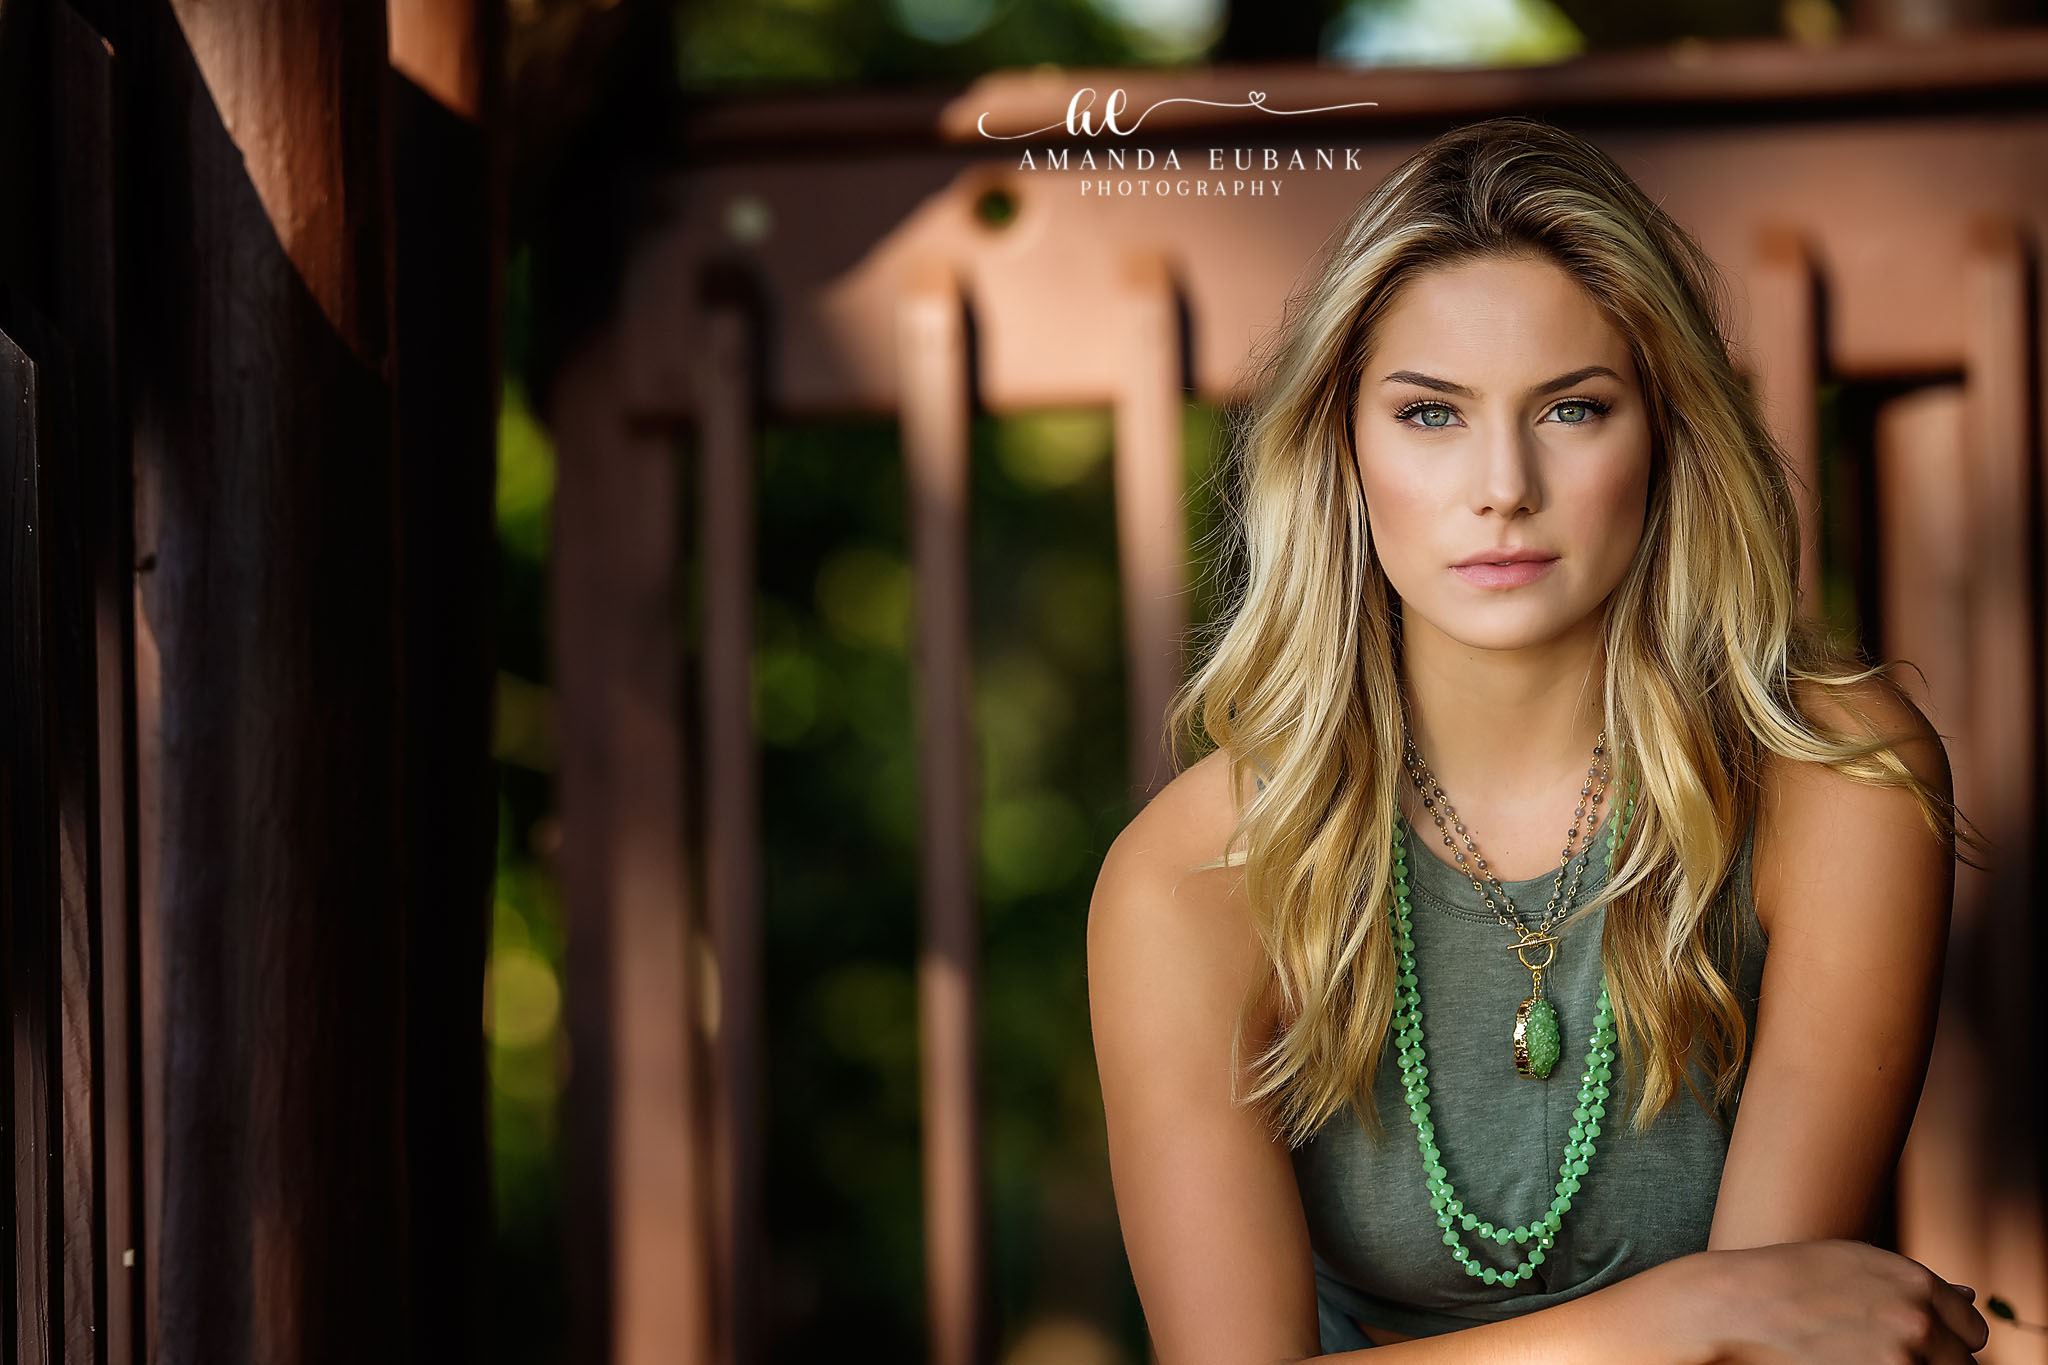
1612, 509
1397, 514
1398, 483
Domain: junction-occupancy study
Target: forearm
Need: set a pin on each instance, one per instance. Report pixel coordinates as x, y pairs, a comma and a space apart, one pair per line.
1631, 1322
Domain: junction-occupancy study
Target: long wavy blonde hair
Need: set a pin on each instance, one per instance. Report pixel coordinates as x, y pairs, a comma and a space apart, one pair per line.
1709, 661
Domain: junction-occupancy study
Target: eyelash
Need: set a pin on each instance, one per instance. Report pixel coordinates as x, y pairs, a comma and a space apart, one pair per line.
1598, 407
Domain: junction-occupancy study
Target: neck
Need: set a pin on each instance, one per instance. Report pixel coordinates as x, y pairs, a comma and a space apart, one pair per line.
1505, 732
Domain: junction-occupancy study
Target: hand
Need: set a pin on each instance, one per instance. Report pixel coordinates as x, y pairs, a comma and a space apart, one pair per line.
1825, 1302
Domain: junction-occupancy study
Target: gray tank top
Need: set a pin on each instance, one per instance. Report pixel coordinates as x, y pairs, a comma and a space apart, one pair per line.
1379, 1251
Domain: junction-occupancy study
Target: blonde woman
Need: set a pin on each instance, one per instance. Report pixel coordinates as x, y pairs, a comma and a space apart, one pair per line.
1544, 963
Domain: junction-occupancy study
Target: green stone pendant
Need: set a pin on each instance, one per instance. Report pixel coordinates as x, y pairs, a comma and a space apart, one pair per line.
1536, 1040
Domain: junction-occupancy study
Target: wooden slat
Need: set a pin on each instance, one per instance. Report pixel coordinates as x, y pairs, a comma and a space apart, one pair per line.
101, 1317
641, 1252
1958, 605
932, 350
1943, 1191
732, 836
1995, 472
39, 883
1784, 291
67, 1160
446, 297
151, 956
2001, 746
1151, 518
1882, 200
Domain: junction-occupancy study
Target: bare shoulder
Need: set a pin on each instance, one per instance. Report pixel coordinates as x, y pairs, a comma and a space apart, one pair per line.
1889, 712
1818, 826
1205, 1192
1189, 819
1157, 896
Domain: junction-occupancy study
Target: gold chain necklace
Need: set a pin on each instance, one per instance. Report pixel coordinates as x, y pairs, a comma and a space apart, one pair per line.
1536, 1038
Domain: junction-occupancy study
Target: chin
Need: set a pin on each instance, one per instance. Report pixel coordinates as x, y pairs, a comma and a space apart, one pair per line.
1508, 639
1503, 625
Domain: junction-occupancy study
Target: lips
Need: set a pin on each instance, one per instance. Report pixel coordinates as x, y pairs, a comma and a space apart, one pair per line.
1512, 574
1503, 556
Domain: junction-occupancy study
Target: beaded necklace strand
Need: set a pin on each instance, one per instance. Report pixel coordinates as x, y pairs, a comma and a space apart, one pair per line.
1451, 1214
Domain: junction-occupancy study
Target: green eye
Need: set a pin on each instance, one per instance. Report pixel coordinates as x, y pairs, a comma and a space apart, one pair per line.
1586, 409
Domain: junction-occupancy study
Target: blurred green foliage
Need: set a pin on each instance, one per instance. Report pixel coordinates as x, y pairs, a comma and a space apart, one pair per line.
527, 1047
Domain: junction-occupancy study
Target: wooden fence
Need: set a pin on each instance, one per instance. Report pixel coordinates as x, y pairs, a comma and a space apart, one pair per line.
249, 291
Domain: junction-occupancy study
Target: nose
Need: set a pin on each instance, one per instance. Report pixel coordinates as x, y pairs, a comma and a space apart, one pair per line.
1506, 477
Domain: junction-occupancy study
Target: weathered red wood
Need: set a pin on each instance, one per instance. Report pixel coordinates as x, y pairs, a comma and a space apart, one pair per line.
100, 1313
731, 834
268, 533
1883, 202
932, 337
451, 52
640, 1209
1785, 332
40, 817
1151, 516
1918, 454
1966, 1199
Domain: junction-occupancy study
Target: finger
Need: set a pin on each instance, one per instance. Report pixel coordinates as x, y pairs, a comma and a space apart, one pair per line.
1946, 1350
1959, 1332
1962, 1321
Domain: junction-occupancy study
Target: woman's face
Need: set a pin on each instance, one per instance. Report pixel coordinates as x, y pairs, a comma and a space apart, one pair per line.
1500, 412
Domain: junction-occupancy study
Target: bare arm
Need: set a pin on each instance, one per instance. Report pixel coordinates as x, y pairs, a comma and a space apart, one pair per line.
1627, 1323
1212, 1222
1855, 891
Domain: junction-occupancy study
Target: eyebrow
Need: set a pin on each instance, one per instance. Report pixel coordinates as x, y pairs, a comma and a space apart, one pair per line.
1563, 381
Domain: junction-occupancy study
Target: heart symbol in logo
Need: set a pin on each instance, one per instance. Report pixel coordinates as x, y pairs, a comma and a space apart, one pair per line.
1258, 97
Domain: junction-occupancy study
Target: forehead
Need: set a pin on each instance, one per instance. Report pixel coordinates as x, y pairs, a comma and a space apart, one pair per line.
1498, 319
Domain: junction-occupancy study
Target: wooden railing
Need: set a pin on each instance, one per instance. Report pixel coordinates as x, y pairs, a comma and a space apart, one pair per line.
1878, 206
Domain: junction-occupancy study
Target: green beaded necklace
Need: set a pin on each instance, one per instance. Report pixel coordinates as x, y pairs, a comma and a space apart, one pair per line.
1592, 1107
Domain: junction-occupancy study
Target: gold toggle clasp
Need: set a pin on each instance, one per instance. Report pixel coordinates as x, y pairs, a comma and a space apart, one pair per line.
1536, 941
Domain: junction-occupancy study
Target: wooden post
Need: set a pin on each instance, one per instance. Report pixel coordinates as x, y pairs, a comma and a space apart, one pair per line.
268, 651
1151, 515
1959, 566
37, 817
446, 58
1942, 1194
731, 818
643, 1284
932, 356
65, 860
1786, 321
